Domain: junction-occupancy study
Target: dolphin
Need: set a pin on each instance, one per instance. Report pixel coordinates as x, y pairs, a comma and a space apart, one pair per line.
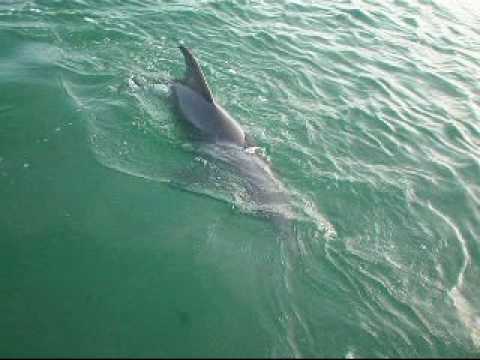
228, 140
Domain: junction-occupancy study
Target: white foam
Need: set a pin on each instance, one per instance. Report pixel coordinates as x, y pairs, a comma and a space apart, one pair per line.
350, 355
468, 315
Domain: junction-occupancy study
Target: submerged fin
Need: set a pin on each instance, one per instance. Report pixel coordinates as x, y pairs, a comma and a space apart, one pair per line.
194, 77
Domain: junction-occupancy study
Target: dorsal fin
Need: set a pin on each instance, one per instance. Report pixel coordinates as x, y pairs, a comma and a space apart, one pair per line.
194, 77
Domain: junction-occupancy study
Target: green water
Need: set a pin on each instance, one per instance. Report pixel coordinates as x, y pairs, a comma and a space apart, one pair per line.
117, 240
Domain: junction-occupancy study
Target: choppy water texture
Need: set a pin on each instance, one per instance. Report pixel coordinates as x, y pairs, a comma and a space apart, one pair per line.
119, 237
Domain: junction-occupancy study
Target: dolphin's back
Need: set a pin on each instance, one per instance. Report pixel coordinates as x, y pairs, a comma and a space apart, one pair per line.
209, 118
196, 103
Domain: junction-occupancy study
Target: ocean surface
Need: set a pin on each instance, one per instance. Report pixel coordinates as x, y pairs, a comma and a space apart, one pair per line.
119, 238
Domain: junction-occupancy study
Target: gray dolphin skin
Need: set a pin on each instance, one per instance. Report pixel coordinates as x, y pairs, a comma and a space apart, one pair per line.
227, 139
197, 105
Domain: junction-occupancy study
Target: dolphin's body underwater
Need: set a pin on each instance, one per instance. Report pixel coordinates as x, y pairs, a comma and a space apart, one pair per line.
229, 142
